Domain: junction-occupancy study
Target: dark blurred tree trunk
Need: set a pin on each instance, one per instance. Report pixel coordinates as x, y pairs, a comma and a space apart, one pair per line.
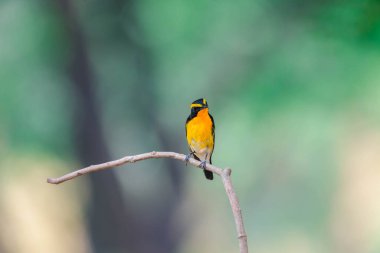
166, 240
108, 217
113, 227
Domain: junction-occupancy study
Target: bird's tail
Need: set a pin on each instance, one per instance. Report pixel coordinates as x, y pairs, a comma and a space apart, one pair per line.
209, 175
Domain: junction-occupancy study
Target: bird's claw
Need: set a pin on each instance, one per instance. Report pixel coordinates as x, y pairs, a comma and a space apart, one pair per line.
187, 158
202, 165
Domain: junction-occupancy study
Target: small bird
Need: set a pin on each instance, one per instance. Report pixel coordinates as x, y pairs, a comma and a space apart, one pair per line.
200, 134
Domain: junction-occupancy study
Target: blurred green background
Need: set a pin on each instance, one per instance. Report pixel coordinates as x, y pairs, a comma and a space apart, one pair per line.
294, 88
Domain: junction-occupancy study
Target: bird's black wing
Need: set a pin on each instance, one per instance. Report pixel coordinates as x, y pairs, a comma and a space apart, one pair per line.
213, 135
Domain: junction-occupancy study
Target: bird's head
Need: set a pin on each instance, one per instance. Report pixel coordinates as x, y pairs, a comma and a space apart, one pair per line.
198, 105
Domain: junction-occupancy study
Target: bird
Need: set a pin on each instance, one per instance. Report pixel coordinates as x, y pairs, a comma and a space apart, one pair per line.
200, 134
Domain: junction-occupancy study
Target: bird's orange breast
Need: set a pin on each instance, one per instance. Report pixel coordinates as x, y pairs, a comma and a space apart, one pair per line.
199, 133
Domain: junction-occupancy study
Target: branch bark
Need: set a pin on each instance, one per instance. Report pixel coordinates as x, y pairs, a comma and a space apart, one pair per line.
225, 175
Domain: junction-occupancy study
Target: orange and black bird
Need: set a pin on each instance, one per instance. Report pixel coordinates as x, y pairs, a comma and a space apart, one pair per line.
200, 134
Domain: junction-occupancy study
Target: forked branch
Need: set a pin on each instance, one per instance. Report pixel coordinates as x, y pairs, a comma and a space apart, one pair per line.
225, 175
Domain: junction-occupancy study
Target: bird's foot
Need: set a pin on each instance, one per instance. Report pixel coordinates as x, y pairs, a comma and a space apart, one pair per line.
188, 157
202, 165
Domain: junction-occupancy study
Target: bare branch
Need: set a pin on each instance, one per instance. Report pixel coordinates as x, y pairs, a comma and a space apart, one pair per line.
242, 236
225, 174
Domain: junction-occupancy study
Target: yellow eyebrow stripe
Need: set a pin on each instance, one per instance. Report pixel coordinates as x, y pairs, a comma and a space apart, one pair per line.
195, 105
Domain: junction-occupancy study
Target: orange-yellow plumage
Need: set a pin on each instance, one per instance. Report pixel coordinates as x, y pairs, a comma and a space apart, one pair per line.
200, 135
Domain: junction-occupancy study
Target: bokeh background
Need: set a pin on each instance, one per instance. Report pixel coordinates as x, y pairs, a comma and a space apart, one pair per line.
294, 88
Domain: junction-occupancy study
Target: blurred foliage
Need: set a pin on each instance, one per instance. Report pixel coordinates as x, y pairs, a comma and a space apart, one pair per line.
293, 87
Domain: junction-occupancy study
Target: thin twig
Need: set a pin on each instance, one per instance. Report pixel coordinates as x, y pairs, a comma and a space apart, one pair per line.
242, 236
225, 174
